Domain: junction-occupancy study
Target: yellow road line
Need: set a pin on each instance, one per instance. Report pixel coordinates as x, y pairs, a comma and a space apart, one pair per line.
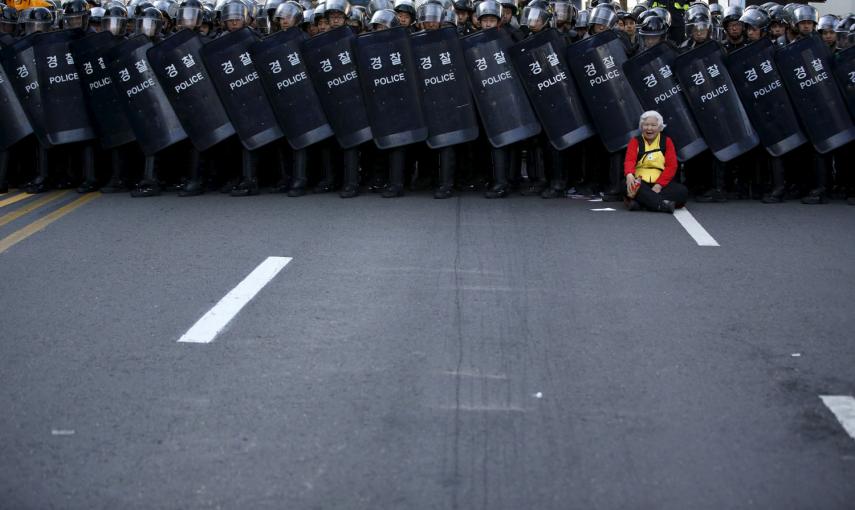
19, 235
14, 199
14, 215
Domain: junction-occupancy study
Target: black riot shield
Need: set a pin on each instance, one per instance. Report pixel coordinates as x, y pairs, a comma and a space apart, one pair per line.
844, 70
149, 113
177, 63
105, 105
391, 93
231, 68
755, 76
657, 88
280, 65
65, 113
15, 125
446, 99
329, 60
596, 64
711, 95
20, 65
549, 83
806, 72
505, 111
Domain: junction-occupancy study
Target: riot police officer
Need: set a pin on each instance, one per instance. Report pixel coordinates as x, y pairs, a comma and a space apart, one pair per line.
825, 28
698, 26
405, 10
734, 29
463, 10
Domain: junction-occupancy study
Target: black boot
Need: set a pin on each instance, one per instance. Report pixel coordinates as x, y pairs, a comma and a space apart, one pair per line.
283, 185
501, 164
4, 169
327, 182
351, 174
298, 184
779, 188
148, 186
819, 194
614, 193
90, 181
196, 184
248, 185
40, 183
397, 160
447, 164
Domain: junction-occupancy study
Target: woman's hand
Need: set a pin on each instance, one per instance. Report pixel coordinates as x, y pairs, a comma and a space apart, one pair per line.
657, 188
630, 184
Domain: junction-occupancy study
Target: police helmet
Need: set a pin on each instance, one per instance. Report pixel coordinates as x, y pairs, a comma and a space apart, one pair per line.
663, 13
697, 9
75, 14
653, 26
189, 14
332, 6
37, 19
805, 13
637, 10
603, 14
564, 12
379, 5
716, 11
115, 20
358, 16
431, 12
235, 10
8, 20
535, 17
755, 18
845, 29
582, 19
290, 11
731, 14
827, 22
149, 22
488, 8
463, 5
96, 14
385, 18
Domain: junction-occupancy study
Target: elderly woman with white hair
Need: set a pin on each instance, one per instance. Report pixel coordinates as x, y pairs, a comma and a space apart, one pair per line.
650, 167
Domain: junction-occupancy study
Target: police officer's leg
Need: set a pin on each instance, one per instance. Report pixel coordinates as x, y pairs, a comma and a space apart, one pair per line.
87, 159
116, 184
284, 160
148, 186
558, 174
327, 182
397, 163
249, 174
615, 189
716, 193
298, 183
196, 184
350, 187
447, 164
4, 171
779, 186
501, 164
819, 168
40, 183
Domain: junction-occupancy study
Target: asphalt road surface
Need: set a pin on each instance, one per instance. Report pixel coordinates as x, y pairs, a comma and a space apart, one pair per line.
418, 353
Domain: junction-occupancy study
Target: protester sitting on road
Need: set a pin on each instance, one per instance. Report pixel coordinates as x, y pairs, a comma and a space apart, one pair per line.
650, 166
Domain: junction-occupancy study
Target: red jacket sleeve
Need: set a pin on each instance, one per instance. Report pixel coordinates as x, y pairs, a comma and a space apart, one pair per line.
670, 163
631, 156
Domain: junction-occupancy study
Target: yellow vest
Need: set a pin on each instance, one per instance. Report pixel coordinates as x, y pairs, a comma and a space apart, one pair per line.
651, 165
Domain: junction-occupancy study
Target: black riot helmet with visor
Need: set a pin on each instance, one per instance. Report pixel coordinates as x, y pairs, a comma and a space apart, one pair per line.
805, 13
287, 15
652, 31
603, 14
384, 19
535, 17
379, 5
115, 20
845, 30
8, 20
149, 22
37, 19
189, 14
75, 14
757, 19
431, 12
235, 10
564, 13
731, 15
582, 20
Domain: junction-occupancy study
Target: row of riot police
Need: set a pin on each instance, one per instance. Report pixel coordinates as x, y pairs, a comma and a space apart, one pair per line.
194, 96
